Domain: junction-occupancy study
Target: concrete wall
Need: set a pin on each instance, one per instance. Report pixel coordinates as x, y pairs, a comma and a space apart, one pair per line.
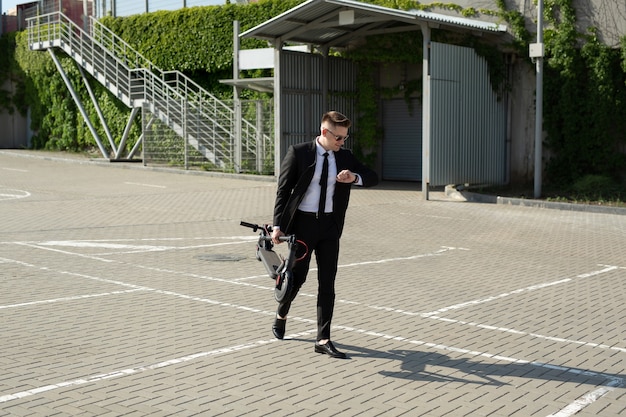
608, 16
522, 122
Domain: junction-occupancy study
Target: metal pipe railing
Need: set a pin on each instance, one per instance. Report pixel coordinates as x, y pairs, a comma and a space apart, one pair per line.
184, 106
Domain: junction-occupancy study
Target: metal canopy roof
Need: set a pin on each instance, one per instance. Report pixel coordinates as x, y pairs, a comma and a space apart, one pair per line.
339, 23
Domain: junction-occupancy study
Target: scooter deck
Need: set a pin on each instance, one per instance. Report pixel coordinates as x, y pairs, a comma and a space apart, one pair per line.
270, 260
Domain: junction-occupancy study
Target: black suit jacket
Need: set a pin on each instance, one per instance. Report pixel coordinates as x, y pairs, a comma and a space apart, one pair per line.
296, 172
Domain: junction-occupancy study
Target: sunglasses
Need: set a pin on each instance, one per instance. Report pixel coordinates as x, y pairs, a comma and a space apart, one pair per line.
338, 138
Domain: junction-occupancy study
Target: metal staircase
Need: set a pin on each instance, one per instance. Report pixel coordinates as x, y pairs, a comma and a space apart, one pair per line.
210, 126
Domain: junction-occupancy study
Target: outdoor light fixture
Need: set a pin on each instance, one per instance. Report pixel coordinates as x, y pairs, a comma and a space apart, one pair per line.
346, 17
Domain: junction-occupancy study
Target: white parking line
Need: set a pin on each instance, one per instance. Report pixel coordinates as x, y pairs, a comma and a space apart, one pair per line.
144, 288
12, 194
435, 314
518, 291
103, 245
129, 371
535, 335
80, 255
145, 185
76, 297
443, 249
120, 248
588, 399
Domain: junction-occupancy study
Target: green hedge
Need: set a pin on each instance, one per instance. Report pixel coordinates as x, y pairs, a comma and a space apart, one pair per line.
197, 41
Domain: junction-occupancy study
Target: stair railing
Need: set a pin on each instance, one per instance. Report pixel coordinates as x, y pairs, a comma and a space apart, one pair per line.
206, 122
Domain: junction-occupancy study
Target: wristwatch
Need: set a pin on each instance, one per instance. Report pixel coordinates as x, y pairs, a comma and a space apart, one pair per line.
356, 179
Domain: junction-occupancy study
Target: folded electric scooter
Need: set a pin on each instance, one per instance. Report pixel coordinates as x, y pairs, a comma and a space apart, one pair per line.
278, 267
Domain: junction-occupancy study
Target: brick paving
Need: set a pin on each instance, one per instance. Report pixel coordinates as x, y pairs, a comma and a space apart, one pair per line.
128, 290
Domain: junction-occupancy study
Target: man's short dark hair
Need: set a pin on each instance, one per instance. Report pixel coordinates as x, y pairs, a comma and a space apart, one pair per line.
336, 119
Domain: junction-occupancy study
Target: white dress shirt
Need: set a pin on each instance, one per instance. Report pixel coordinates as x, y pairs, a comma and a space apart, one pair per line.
311, 199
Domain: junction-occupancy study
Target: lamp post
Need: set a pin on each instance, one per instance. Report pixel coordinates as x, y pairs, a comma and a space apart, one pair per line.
536, 51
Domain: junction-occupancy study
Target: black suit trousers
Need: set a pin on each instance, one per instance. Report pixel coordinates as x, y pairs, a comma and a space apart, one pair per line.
321, 235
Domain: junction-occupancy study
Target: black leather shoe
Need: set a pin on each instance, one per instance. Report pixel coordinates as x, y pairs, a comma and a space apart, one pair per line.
329, 349
279, 328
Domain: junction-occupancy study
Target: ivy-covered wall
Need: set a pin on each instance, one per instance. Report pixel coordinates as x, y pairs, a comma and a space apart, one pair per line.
56, 121
12, 109
584, 101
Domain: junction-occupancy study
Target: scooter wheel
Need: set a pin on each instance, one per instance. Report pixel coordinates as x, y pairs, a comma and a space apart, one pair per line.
284, 284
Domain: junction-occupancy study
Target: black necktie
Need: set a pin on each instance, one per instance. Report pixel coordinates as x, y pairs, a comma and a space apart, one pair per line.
323, 185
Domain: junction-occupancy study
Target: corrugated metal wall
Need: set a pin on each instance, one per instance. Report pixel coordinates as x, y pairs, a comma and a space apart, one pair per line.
303, 94
468, 130
342, 88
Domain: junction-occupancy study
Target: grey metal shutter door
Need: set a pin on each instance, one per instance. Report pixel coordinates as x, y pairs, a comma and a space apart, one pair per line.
468, 122
402, 144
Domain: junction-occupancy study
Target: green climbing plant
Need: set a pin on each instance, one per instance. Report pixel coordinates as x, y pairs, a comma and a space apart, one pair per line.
9, 101
383, 49
376, 51
584, 101
55, 119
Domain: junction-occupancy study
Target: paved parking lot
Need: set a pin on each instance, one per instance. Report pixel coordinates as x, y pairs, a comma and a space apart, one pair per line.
132, 291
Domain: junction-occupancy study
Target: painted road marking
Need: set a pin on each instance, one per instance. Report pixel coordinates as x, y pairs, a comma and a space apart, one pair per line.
122, 249
87, 244
535, 335
12, 194
145, 185
519, 291
588, 399
73, 298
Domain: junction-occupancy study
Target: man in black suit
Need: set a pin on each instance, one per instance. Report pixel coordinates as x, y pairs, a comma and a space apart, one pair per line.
314, 209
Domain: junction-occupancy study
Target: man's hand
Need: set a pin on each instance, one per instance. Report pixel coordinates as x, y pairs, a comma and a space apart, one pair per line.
346, 176
276, 233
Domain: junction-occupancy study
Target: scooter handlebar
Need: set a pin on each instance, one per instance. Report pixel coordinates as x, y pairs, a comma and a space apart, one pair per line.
286, 238
252, 226
267, 228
